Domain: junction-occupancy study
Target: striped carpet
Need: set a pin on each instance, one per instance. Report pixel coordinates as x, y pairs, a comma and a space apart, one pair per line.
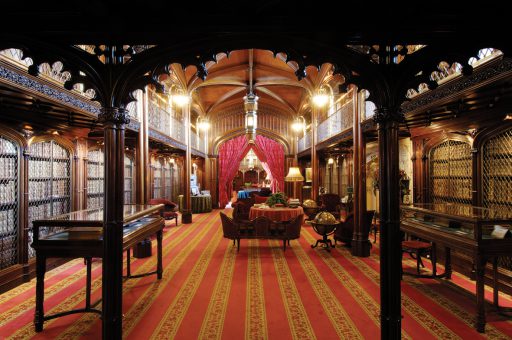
208, 291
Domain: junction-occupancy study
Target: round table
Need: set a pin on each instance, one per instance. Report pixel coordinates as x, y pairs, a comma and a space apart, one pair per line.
276, 214
324, 230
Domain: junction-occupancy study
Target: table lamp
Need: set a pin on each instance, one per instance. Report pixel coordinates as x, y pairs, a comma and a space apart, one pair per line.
294, 175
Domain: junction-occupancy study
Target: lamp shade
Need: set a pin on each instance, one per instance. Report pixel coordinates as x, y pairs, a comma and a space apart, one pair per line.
294, 175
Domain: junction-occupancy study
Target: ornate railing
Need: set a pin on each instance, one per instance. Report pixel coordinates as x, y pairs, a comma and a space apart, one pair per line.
339, 121
305, 142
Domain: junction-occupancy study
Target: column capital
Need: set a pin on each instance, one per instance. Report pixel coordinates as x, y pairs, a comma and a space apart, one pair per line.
114, 115
388, 114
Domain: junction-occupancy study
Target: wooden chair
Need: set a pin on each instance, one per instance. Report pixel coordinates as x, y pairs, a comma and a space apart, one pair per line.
170, 208
230, 229
418, 248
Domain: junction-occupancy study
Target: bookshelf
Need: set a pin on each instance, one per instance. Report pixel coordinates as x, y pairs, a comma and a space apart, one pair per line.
9, 222
95, 175
168, 181
49, 182
497, 178
451, 173
128, 179
157, 178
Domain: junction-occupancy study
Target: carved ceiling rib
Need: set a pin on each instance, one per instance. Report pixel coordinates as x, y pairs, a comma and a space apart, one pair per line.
224, 98
289, 107
232, 81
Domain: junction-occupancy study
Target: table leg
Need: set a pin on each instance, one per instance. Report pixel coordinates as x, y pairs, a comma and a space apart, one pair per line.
39, 312
433, 258
88, 261
128, 263
448, 263
159, 266
480, 297
495, 281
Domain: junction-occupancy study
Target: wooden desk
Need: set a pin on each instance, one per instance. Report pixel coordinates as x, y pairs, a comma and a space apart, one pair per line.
80, 234
467, 230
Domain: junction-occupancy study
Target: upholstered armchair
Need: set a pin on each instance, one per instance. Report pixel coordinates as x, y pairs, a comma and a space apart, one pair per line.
230, 229
331, 203
345, 231
170, 208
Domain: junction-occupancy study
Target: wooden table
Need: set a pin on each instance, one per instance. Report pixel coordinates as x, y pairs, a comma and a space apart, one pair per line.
80, 234
276, 214
467, 230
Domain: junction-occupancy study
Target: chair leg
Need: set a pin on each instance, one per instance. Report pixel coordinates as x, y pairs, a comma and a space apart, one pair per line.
284, 245
176, 218
238, 242
401, 265
418, 261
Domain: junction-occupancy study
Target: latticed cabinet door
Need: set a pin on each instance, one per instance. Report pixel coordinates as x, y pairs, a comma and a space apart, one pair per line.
95, 178
497, 178
49, 184
10, 232
450, 174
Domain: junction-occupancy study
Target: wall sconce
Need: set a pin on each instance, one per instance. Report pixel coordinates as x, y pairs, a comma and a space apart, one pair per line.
330, 161
203, 123
299, 124
321, 97
180, 98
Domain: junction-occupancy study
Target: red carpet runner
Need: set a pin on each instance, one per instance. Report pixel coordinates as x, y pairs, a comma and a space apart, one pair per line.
208, 291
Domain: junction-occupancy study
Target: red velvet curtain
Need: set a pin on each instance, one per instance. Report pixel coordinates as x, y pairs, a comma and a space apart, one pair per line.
274, 153
230, 155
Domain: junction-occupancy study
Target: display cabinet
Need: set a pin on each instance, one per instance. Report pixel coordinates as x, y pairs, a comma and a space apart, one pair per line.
480, 233
9, 184
95, 176
49, 182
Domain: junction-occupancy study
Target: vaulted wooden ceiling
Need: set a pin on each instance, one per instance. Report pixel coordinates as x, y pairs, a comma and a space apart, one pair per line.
274, 81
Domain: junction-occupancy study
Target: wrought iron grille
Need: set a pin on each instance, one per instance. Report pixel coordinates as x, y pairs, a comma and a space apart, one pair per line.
128, 180
157, 179
49, 184
450, 173
95, 175
168, 181
9, 223
497, 178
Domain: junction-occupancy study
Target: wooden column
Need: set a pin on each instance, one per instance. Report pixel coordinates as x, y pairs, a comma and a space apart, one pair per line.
211, 178
142, 155
314, 157
114, 120
187, 209
390, 246
360, 244
143, 166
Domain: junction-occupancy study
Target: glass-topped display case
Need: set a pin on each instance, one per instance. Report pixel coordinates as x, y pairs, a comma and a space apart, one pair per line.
474, 223
482, 234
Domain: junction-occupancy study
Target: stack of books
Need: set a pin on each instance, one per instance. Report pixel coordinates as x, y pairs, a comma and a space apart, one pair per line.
293, 202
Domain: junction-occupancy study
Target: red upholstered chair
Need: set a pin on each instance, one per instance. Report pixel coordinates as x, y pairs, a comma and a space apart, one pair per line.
260, 199
418, 248
170, 208
230, 229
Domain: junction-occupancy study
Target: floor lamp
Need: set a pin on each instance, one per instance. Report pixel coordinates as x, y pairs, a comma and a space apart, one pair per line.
293, 176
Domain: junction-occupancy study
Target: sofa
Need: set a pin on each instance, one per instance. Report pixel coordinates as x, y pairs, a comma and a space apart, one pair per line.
261, 228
